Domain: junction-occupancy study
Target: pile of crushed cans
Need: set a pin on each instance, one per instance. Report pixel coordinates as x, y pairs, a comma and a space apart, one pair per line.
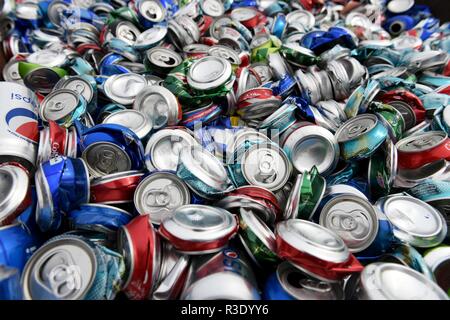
224, 149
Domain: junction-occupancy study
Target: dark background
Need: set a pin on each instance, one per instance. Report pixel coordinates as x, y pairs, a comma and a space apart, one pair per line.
439, 8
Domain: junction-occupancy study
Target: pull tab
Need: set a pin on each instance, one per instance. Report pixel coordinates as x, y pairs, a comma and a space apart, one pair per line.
156, 198
64, 279
107, 160
266, 168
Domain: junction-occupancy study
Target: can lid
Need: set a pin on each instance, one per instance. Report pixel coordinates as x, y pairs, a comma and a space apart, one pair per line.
48, 58
353, 219
400, 6
159, 104
313, 239
299, 144
104, 158
152, 10
59, 104
243, 13
304, 17
123, 88
205, 166
209, 72
79, 85
303, 287
421, 141
160, 193
135, 120
383, 280
125, 31
414, 221
226, 53
150, 37
62, 269
266, 165
198, 223
355, 127
163, 57
163, 148
212, 8
14, 186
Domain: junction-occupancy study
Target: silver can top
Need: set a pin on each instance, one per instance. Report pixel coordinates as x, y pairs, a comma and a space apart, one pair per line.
62, 269
199, 223
205, 167
152, 10
77, 84
355, 127
123, 88
104, 158
310, 146
313, 239
135, 120
14, 186
304, 17
163, 57
399, 6
48, 58
226, 53
209, 72
414, 221
353, 219
163, 148
159, 104
151, 37
391, 281
59, 104
212, 8
160, 193
303, 287
266, 165
127, 32
421, 142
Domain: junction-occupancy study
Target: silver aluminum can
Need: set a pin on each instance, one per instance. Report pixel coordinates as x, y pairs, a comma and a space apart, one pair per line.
415, 222
353, 219
203, 172
209, 72
135, 120
160, 105
299, 146
266, 165
62, 269
18, 125
159, 193
381, 281
162, 151
223, 275
123, 88
198, 229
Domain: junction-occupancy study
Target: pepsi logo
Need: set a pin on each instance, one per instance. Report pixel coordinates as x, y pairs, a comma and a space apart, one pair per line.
24, 123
